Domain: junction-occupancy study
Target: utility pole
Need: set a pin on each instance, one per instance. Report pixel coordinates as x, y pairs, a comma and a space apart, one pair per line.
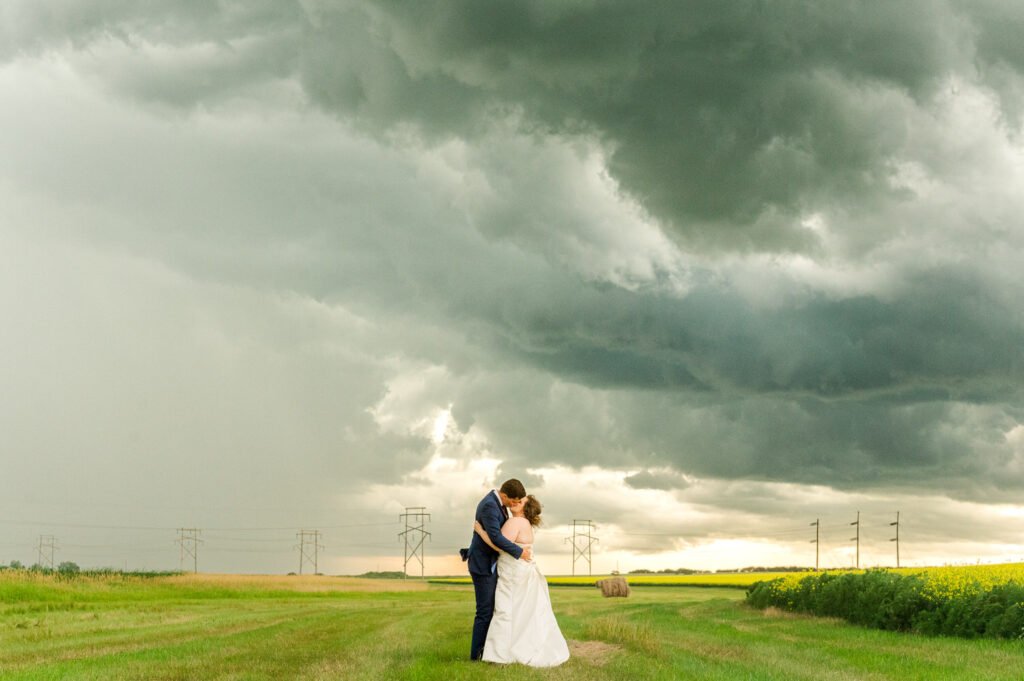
309, 540
897, 538
816, 542
415, 518
47, 545
582, 539
189, 539
857, 538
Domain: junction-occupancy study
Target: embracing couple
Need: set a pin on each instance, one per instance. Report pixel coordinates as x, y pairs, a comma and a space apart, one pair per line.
514, 621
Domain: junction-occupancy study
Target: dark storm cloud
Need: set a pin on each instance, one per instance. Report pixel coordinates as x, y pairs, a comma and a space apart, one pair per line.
726, 122
943, 335
953, 448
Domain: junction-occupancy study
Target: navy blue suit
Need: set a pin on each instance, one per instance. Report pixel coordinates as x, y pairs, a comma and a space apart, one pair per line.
482, 560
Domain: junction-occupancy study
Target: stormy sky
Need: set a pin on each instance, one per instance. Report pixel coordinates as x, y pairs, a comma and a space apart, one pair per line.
699, 272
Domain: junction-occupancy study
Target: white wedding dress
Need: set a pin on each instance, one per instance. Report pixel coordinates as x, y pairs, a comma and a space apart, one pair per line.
523, 629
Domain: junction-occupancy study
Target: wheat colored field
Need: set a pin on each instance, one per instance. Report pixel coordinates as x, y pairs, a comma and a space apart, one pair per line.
252, 627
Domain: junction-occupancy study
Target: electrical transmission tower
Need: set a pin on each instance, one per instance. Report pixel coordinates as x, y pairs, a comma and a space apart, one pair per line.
47, 546
415, 518
816, 541
897, 537
857, 538
189, 539
309, 547
582, 539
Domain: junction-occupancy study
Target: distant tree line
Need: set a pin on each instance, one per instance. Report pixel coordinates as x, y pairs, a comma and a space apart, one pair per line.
689, 571
383, 575
785, 568
68, 569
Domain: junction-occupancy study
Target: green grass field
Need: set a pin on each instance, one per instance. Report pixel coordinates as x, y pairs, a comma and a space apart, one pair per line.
224, 627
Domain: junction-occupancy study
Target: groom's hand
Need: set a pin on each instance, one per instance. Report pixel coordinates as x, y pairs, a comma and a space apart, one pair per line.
527, 553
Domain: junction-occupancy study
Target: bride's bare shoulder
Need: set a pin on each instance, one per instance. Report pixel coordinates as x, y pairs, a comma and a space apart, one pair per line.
525, 531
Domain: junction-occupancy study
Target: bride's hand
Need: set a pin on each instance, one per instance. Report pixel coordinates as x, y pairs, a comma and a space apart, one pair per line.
477, 526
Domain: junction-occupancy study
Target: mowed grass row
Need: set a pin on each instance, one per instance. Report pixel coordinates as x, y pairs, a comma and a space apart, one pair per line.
325, 628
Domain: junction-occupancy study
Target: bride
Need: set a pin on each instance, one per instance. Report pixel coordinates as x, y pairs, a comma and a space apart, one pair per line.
524, 629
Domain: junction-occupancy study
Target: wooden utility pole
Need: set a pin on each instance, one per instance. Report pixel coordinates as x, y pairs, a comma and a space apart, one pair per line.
897, 537
816, 541
857, 538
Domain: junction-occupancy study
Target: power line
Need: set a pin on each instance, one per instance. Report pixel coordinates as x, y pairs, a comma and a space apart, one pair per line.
250, 540
31, 523
259, 551
299, 529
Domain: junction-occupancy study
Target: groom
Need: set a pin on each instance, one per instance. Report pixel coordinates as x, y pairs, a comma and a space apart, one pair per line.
492, 513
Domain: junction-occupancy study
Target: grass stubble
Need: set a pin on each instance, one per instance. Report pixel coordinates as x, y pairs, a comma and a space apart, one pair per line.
251, 627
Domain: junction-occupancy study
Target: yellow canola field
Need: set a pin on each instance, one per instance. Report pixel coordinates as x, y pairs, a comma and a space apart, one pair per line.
941, 581
945, 581
728, 579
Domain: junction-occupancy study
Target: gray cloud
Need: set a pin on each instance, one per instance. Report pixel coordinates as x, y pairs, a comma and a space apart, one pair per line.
663, 480
790, 389
727, 121
737, 241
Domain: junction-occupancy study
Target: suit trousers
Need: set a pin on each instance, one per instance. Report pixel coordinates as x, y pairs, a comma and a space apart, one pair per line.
484, 586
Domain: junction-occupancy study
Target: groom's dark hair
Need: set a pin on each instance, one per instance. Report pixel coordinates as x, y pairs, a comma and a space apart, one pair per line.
513, 489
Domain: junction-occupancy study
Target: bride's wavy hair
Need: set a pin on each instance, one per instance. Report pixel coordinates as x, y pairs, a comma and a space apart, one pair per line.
531, 510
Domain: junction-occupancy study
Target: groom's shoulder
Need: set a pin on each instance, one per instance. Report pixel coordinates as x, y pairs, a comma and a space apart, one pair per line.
488, 500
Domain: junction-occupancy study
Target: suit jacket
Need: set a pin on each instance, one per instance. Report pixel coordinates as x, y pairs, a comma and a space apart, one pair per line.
481, 557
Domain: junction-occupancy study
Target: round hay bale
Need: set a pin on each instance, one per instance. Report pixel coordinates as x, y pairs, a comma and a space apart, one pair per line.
613, 587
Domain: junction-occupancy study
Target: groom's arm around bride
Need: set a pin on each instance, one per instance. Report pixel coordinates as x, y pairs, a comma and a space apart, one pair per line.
490, 513
492, 519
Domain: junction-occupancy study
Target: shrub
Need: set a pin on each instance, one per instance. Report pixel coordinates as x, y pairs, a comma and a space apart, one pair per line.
900, 602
